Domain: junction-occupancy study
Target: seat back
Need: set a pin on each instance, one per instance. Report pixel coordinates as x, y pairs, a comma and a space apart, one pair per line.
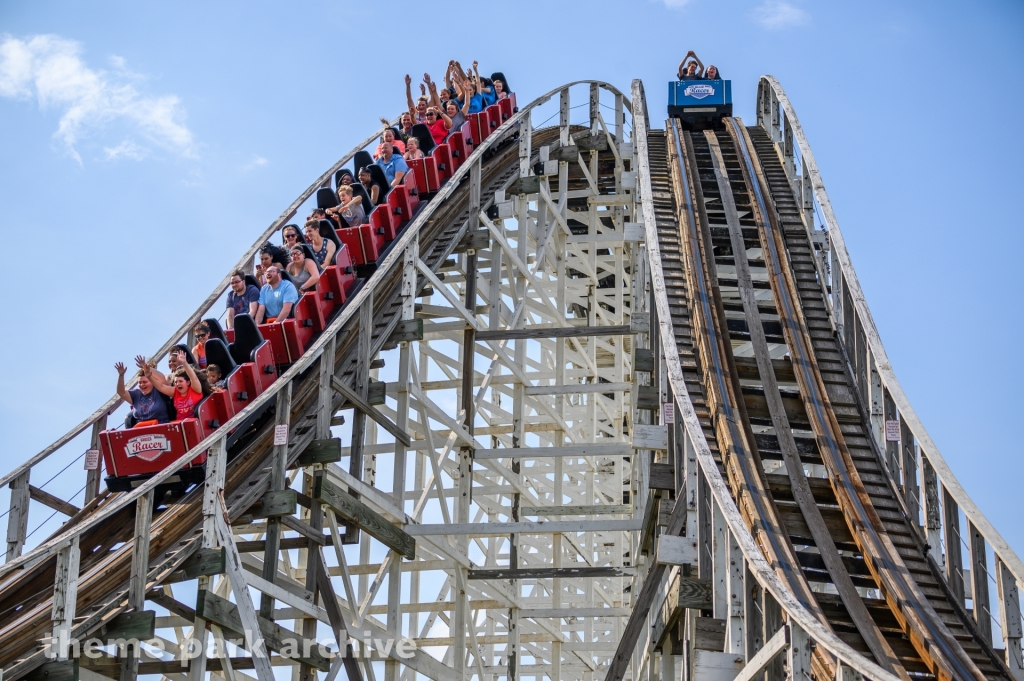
247, 338
339, 173
308, 322
327, 231
217, 352
362, 158
422, 133
326, 198
381, 180
216, 331
459, 151
498, 75
442, 155
360, 191
398, 207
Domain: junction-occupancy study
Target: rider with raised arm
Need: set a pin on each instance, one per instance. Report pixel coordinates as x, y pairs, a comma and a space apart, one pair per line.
693, 70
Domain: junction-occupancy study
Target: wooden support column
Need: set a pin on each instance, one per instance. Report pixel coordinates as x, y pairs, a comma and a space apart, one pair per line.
798, 655
392, 668
772, 616
563, 117
753, 624
278, 465
979, 582
954, 562
216, 463
460, 619
65, 596
246, 610
932, 514
17, 517
362, 382
1010, 619
139, 575
735, 640
891, 448
911, 487
92, 478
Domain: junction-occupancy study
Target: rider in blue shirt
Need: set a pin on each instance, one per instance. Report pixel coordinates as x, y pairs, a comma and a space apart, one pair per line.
393, 165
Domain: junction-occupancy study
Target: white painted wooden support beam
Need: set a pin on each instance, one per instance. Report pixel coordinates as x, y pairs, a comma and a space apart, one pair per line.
714, 666
618, 449
65, 596
488, 529
577, 388
799, 655
1010, 619
246, 609
561, 613
775, 645
17, 517
676, 550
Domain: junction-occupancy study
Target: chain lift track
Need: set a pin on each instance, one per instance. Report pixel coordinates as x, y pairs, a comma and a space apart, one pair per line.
637, 423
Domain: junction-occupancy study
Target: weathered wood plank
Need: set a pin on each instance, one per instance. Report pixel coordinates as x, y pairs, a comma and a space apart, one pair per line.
650, 437
662, 476
280, 502
353, 511
327, 450
140, 625
676, 550
56, 503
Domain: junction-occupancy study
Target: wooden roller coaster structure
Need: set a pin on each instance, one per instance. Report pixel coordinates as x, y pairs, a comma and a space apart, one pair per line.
636, 421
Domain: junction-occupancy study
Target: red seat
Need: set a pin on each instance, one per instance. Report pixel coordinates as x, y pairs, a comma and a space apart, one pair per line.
494, 121
442, 155
402, 205
209, 415
308, 322
459, 151
275, 335
265, 369
363, 242
237, 392
505, 107
382, 221
425, 170
470, 138
478, 129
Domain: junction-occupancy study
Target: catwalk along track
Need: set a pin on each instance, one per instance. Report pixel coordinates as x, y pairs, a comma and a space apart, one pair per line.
614, 397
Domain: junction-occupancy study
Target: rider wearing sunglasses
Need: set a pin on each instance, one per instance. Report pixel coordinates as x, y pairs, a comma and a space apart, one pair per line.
202, 332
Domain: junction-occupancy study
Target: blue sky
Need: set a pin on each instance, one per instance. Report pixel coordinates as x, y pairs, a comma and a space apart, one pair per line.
144, 145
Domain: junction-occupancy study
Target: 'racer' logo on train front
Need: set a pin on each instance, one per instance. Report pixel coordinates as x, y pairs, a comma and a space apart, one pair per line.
699, 91
147, 447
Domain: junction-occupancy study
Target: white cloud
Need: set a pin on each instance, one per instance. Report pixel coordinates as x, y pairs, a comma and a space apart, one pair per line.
50, 69
775, 14
256, 162
127, 149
